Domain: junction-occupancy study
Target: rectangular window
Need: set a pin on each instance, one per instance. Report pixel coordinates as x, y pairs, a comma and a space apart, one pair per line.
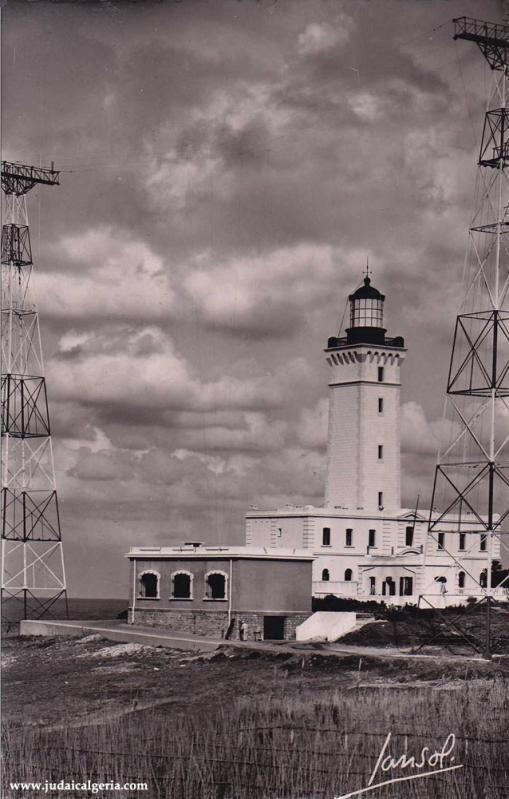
484, 542
380, 452
405, 586
372, 586
462, 541
380, 374
409, 536
372, 538
349, 537
441, 541
366, 312
380, 499
326, 537
380, 405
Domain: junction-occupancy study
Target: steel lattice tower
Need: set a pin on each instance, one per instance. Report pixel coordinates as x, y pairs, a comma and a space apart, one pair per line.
33, 574
471, 486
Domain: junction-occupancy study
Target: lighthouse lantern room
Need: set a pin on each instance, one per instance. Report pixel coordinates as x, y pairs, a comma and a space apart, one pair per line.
366, 315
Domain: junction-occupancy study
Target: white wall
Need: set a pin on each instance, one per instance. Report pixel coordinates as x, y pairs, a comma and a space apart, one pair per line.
304, 529
355, 474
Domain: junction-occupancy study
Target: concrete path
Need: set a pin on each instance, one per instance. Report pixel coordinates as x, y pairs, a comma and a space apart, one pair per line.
114, 630
118, 631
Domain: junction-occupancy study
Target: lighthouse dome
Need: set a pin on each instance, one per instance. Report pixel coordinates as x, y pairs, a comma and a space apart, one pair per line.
366, 292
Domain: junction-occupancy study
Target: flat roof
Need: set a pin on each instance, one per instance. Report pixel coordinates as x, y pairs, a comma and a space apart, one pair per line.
220, 552
332, 513
335, 512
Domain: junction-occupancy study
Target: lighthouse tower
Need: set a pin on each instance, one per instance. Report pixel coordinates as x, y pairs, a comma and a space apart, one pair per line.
363, 468
365, 545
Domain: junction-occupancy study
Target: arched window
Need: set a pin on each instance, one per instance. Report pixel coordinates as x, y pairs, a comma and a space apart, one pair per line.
348, 575
325, 575
149, 585
181, 585
461, 579
215, 585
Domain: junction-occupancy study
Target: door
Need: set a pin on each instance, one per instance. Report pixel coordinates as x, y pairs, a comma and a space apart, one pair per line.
273, 628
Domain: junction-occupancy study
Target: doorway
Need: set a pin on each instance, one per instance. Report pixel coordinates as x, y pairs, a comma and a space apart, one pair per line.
274, 628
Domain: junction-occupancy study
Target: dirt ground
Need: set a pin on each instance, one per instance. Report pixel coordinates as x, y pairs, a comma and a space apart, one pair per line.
244, 724
57, 682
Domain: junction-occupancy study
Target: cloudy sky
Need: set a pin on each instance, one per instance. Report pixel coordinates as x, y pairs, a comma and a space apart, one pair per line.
227, 168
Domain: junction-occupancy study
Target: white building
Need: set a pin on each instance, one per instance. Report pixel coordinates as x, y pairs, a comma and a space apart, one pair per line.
365, 544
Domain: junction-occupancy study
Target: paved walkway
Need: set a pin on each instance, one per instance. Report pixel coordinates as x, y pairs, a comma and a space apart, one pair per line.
114, 630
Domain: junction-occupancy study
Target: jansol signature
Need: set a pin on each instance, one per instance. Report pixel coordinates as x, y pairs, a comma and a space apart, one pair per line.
428, 762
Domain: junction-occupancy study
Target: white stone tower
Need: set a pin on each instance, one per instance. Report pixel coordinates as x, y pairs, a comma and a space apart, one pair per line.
363, 467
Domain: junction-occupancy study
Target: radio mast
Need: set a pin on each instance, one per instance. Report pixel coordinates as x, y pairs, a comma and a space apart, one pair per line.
471, 486
33, 574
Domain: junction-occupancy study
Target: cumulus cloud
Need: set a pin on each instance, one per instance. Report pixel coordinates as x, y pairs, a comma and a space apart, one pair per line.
367, 106
322, 36
141, 368
187, 486
106, 275
256, 433
124, 366
177, 180
101, 466
448, 435
196, 158
267, 294
96, 440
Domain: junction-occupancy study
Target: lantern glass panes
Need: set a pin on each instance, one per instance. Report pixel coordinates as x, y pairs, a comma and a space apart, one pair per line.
366, 312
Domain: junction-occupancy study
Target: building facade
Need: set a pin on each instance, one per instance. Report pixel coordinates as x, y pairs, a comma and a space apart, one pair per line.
365, 545
221, 591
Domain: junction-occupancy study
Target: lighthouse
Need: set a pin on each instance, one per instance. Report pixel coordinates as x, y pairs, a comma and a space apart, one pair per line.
363, 463
365, 545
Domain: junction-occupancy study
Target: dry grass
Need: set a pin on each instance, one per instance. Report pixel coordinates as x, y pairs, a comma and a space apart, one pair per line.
309, 745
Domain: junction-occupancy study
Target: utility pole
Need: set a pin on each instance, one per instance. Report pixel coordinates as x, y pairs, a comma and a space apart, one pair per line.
33, 574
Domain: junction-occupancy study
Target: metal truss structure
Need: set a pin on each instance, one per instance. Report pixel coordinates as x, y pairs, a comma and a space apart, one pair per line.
471, 486
33, 574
